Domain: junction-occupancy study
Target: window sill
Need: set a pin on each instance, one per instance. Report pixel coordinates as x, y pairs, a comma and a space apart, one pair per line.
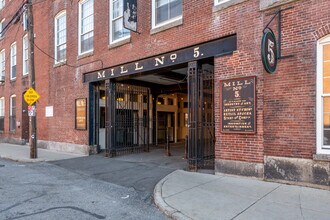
119, 43
59, 64
321, 157
84, 55
12, 132
224, 5
268, 4
164, 27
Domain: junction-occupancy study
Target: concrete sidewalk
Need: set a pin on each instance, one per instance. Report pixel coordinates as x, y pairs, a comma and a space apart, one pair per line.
187, 195
21, 153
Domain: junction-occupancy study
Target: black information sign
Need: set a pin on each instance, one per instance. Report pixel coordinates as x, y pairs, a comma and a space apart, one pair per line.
269, 51
238, 105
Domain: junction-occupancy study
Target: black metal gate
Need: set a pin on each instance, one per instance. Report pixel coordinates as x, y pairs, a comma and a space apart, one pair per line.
127, 119
201, 138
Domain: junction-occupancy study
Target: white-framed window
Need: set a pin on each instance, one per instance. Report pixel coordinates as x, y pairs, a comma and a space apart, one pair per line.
2, 65
2, 113
12, 113
25, 55
165, 12
13, 51
323, 96
2, 24
218, 2
2, 4
25, 21
86, 26
60, 37
117, 30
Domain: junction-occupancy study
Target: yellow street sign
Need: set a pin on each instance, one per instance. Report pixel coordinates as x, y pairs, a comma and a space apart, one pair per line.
31, 96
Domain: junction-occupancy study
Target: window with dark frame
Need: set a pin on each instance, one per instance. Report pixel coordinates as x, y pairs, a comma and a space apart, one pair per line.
12, 117
133, 97
2, 114
160, 101
145, 99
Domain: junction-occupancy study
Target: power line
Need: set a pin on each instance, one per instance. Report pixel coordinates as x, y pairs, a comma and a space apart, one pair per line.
18, 28
64, 63
15, 18
11, 2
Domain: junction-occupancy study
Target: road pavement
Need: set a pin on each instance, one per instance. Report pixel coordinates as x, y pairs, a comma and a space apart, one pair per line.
140, 172
45, 191
93, 187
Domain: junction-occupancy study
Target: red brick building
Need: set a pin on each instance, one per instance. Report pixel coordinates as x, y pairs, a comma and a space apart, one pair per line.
106, 87
14, 123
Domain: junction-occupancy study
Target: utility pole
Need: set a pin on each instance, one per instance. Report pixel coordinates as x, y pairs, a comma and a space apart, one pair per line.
32, 84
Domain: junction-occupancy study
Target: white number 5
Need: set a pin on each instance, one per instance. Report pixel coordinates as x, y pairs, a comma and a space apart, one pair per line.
196, 52
270, 55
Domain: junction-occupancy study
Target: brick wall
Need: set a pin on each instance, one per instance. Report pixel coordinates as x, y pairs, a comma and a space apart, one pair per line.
244, 62
285, 100
18, 86
290, 93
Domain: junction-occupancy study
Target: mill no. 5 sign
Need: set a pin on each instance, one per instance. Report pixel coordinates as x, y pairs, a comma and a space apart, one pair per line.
238, 105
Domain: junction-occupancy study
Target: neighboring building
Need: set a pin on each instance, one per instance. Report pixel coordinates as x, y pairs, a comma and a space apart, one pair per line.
192, 70
14, 71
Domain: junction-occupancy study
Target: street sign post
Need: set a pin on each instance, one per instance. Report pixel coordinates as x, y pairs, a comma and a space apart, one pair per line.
31, 96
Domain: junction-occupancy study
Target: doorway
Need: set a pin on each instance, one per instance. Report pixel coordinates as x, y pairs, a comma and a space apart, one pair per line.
165, 127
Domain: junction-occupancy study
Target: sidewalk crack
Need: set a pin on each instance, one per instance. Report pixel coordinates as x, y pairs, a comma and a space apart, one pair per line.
255, 202
301, 212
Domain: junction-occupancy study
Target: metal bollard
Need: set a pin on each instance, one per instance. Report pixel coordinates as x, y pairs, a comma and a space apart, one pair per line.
168, 149
186, 147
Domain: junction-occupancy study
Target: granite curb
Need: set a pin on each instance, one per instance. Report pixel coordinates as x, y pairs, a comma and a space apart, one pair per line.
23, 160
21, 153
163, 206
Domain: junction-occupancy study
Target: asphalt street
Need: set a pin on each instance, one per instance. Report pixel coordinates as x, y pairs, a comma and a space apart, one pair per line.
92, 187
140, 172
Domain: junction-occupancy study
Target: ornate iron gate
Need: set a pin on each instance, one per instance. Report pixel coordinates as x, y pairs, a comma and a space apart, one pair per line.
127, 119
201, 136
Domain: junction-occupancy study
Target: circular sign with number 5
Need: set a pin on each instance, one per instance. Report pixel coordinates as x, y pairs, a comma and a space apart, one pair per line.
269, 51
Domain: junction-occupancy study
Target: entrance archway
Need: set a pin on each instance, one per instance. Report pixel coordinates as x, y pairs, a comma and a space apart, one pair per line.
167, 105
